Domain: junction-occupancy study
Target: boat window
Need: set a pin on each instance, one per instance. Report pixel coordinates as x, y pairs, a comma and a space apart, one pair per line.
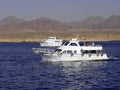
56, 41
85, 51
81, 43
69, 51
92, 51
58, 50
89, 51
75, 51
73, 44
88, 43
64, 51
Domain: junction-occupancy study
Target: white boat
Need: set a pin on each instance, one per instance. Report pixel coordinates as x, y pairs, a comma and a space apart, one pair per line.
51, 42
73, 50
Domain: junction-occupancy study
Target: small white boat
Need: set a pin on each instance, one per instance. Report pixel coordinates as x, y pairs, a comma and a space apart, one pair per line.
73, 50
51, 42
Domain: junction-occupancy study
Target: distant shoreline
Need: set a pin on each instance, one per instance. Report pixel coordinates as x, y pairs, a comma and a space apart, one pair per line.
36, 37
40, 40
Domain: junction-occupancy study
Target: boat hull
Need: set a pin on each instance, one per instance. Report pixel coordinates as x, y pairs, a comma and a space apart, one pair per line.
77, 57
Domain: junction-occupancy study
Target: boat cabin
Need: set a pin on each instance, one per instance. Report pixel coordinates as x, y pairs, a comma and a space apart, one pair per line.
79, 47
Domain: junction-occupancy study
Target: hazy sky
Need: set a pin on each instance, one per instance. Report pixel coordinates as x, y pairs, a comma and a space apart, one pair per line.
63, 10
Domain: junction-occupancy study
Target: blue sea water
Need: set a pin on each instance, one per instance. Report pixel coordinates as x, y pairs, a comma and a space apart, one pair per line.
21, 69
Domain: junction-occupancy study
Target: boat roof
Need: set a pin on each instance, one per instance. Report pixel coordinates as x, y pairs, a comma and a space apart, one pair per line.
52, 37
74, 43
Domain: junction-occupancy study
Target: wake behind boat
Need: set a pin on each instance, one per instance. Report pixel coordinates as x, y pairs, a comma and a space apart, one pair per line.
73, 50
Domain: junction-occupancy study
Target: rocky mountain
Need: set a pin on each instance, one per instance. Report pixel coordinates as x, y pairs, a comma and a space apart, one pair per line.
97, 22
91, 22
45, 24
13, 24
112, 22
11, 20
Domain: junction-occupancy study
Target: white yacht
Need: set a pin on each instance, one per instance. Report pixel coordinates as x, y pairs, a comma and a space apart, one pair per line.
73, 50
51, 42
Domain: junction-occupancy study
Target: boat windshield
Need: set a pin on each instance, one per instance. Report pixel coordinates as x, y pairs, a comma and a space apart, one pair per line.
73, 44
65, 42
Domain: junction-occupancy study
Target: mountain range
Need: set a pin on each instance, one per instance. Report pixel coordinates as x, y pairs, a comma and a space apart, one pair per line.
12, 24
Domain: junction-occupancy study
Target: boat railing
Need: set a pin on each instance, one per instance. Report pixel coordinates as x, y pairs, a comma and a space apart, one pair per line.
43, 50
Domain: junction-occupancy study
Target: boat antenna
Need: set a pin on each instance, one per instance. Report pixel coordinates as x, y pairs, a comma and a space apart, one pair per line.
84, 38
77, 37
